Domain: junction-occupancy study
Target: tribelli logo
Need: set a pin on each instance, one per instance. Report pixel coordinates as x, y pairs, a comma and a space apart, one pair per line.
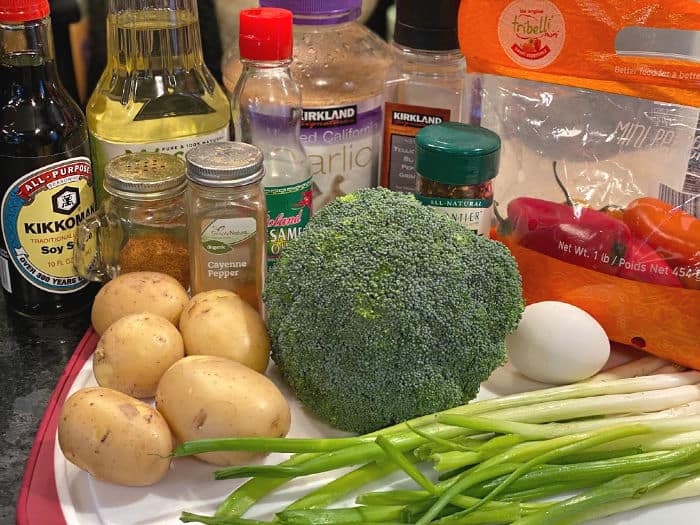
532, 32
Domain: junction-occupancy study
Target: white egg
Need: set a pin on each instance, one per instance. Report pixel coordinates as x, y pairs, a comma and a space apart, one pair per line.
557, 343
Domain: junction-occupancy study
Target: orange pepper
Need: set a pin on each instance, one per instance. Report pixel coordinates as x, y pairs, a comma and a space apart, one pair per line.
662, 320
673, 232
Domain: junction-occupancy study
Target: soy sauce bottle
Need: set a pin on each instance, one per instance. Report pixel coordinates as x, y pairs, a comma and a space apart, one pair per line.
46, 178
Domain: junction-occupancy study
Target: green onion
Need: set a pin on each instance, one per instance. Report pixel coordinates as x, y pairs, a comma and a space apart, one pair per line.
522, 446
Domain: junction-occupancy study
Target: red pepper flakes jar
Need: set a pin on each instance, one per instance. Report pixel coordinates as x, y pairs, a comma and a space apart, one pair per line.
455, 167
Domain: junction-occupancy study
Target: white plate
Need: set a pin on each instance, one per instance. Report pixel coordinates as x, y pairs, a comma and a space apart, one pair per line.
189, 486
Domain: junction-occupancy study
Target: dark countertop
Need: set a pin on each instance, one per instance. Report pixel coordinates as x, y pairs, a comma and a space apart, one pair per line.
32, 357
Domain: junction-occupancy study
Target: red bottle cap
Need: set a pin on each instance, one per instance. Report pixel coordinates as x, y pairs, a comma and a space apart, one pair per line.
23, 10
265, 34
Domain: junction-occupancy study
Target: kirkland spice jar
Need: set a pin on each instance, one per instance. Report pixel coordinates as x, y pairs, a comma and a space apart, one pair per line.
455, 167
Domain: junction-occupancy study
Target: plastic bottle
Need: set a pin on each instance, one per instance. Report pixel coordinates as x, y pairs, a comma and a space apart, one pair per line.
266, 110
427, 85
46, 184
340, 67
156, 94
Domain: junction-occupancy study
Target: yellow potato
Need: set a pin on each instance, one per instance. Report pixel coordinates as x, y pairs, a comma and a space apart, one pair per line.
205, 397
219, 322
115, 437
134, 352
137, 292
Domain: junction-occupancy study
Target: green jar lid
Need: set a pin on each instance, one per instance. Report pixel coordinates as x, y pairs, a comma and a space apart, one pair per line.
457, 154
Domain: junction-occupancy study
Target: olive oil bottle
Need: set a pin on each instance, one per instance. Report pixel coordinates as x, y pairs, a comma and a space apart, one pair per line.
156, 93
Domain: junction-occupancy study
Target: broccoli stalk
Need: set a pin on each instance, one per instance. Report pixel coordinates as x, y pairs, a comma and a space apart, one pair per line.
384, 310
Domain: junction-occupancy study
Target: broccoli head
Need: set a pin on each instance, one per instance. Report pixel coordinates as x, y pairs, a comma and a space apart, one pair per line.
384, 310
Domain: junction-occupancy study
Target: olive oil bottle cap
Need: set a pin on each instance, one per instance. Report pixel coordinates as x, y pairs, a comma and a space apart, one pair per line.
457, 154
15, 11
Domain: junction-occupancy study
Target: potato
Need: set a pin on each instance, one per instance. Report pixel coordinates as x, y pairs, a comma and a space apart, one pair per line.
205, 397
137, 292
219, 322
134, 352
114, 437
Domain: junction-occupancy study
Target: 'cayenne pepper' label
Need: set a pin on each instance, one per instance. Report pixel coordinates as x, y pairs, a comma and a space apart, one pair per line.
532, 32
288, 212
40, 213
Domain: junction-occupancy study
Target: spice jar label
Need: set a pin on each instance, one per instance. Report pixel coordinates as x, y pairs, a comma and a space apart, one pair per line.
474, 214
222, 235
288, 212
401, 124
40, 212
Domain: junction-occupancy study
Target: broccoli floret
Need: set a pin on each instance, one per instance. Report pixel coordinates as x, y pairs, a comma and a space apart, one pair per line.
384, 310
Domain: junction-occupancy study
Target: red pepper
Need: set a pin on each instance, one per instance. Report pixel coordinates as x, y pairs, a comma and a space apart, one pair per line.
581, 236
642, 263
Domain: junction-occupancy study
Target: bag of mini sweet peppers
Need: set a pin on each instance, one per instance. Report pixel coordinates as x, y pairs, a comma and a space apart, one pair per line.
596, 103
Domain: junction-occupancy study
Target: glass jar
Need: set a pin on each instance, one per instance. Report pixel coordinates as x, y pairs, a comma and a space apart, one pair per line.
455, 167
226, 219
141, 225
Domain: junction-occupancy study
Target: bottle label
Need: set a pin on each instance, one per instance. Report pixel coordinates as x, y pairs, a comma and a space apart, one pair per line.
40, 213
342, 144
402, 122
220, 236
473, 214
102, 151
288, 212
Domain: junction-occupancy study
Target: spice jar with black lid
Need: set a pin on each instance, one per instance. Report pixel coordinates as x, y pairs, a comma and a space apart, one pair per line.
455, 167
141, 225
227, 219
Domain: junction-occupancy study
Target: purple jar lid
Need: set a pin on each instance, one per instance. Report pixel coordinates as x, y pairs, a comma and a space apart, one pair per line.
318, 12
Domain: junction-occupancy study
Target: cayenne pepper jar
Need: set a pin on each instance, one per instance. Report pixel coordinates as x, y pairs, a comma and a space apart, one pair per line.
141, 225
455, 167
227, 219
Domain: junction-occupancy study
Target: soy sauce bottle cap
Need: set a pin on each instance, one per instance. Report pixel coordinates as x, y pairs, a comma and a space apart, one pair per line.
17, 11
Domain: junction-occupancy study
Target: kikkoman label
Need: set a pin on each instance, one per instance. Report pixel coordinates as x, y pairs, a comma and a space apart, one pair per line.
40, 213
532, 32
288, 212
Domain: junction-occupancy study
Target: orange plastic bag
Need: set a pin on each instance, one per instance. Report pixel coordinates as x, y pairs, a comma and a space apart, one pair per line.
596, 102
